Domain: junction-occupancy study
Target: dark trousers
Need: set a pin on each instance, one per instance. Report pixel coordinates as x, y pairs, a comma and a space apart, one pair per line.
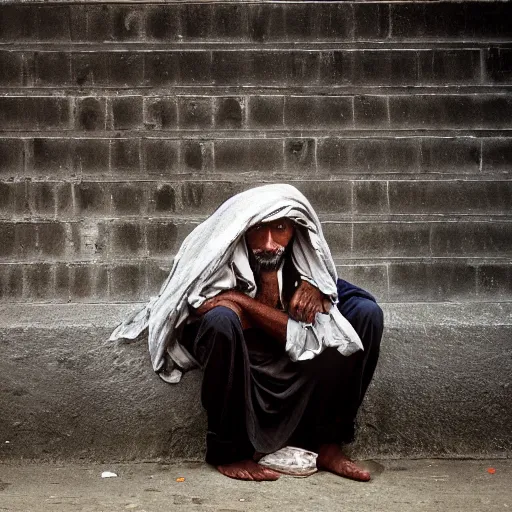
328, 389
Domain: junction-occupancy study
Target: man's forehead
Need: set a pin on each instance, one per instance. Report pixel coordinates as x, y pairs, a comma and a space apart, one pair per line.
274, 222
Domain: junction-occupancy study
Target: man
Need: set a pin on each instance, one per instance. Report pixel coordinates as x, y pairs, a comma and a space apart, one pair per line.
258, 307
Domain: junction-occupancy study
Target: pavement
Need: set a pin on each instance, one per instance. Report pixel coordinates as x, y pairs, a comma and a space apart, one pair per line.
397, 485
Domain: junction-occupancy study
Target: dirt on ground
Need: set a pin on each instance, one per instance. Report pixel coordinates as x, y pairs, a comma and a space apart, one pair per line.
397, 485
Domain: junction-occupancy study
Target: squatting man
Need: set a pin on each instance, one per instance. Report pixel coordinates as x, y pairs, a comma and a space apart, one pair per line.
287, 349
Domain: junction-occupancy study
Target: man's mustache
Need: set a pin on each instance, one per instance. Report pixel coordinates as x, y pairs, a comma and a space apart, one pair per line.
269, 260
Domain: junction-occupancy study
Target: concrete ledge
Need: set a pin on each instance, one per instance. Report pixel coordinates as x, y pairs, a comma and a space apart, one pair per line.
442, 387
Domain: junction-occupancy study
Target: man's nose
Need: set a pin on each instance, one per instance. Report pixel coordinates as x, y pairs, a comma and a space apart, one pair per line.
269, 243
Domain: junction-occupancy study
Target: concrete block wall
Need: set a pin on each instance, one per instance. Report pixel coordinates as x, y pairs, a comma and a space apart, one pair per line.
124, 124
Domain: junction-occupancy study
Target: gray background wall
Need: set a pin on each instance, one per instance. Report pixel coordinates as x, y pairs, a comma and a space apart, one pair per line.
124, 124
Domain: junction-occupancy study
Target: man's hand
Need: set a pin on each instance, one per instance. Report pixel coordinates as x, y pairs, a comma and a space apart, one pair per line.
306, 302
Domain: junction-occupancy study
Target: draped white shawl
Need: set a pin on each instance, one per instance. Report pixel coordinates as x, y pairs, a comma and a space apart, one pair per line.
214, 258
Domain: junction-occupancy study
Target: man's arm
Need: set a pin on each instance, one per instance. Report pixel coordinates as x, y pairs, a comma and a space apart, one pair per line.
271, 320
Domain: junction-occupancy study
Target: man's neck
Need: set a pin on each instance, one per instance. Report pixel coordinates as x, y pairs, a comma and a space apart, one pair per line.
268, 290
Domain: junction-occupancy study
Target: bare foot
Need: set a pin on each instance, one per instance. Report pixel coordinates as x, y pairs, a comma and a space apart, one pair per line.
248, 470
332, 459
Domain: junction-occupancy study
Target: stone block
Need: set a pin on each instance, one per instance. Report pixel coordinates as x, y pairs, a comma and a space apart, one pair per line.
195, 68
126, 69
334, 197
163, 23
20, 204
11, 157
229, 112
161, 238
265, 111
91, 156
128, 282
7, 235
371, 112
332, 155
20, 113
431, 282
270, 68
384, 155
11, 64
41, 197
157, 274
6, 197
443, 67
303, 68
90, 114
447, 21
125, 155
339, 238
161, 156
91, 69
391, 240
50, 156
371, 197
193, 196
195, 112
52, 69
62, 282
127, 22
229, 22
18, 23
336, 67
371, 21
334, 21
52, 239
82, 281
247, 155
127, 113
494, 282
497, 155
267, 22
90, 23
128, 240
456, 197
196, 155
484, 239
385, 67
498, 65
231, 68
53, 22
38, 281
303, 112
162, 68
51, 113
11, 282
300, 21
164, 199
451, 155
197, 21
91, 198
451, 112
300, 155
64, 198
160, 113
128, 199
370, 277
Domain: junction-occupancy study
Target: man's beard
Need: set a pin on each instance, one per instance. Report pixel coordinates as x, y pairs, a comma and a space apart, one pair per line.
267, 261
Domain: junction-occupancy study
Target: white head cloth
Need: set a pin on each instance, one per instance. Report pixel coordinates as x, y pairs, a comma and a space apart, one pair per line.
214, 258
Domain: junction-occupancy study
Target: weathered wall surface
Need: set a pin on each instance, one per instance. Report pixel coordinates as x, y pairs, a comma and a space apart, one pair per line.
124, 124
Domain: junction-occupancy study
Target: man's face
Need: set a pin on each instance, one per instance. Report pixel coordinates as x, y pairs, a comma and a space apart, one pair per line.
268, 240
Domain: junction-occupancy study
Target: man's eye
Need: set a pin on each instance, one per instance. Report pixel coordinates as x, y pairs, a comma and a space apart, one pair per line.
280, 226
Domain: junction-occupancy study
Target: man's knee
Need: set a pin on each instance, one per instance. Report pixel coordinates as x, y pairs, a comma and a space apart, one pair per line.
221, 320
367, 318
